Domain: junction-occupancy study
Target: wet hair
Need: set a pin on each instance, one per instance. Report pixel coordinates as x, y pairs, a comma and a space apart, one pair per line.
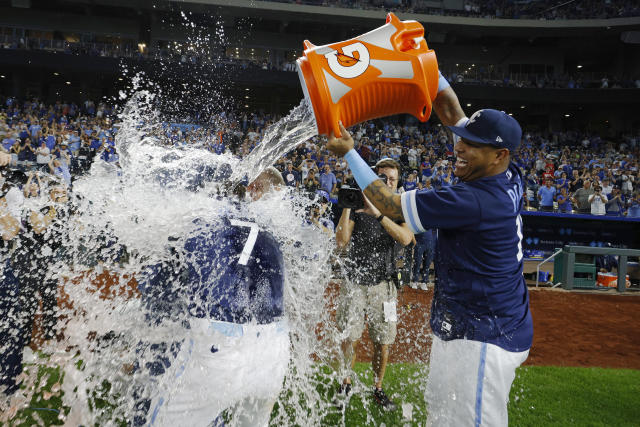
272, 176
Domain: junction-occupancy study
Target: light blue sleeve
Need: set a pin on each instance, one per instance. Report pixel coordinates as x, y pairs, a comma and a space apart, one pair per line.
442, 82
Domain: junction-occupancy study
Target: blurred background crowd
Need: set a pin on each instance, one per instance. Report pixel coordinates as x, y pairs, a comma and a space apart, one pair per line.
562, 169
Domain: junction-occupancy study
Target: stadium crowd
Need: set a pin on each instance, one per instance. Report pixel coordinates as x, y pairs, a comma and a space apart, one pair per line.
562, 169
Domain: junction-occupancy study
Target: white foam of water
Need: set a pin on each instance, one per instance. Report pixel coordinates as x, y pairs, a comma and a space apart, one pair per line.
130, 208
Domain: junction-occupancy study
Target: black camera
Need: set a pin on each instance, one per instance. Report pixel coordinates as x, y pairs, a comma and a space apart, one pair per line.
350, 198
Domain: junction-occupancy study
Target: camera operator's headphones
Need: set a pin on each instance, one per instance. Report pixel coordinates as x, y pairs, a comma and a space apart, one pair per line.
395, 164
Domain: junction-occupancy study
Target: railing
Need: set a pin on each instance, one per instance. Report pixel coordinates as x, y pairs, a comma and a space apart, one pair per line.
543, 262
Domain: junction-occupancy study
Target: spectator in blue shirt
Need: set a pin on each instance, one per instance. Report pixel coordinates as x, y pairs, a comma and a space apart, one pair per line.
565, 201
410, 183
328, 181
615, 203
562, 182
291, 176
546, 194
633, 210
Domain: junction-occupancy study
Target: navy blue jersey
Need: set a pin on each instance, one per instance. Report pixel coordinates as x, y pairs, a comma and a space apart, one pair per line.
231, 271
480, 291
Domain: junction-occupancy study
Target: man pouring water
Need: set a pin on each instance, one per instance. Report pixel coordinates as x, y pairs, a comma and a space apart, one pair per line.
480, 311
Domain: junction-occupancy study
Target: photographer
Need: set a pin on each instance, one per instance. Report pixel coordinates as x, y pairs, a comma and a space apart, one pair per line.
598, 201
311, 183
377, 244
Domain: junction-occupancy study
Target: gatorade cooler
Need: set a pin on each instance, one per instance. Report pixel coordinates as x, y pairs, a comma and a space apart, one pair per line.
610, 280
387, 71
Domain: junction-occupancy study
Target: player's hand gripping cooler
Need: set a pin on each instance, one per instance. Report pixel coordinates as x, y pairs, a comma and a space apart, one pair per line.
387, 71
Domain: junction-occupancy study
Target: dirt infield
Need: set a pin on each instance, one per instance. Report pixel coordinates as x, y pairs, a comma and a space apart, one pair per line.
570, 329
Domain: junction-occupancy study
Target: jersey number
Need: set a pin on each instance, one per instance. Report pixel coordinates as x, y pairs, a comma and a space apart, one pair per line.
519, 232
251, 240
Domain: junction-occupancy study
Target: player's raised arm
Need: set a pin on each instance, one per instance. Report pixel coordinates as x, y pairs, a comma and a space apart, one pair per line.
377, 192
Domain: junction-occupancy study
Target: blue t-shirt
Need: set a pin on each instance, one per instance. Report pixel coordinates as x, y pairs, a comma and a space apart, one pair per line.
232, 272
410, 185
562, 183
327, 181
634, 209
564, 203
546, 195
480, 291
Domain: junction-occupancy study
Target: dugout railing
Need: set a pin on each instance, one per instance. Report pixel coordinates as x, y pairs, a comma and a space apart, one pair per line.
568, 259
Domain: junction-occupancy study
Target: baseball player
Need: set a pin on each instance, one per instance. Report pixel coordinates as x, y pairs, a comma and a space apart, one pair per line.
224, 282
480, 312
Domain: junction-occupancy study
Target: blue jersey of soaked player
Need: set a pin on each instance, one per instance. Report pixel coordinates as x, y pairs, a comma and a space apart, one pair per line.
225, 281
230, 271
480, 312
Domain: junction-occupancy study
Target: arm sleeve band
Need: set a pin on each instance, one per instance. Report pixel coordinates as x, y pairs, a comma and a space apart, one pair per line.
462, 122
360, 169
442, 82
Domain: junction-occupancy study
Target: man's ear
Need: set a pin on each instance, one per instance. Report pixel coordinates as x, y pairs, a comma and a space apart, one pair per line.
501, 154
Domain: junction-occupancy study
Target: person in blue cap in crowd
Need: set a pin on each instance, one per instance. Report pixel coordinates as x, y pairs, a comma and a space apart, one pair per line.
480, 314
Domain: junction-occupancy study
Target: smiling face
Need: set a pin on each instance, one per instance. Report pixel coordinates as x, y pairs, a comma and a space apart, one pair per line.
475, 160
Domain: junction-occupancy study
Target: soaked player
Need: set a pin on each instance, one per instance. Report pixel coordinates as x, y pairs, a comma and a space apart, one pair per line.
225, 280
480, 312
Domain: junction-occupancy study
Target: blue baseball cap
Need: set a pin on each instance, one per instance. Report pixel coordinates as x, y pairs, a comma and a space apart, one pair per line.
491, 127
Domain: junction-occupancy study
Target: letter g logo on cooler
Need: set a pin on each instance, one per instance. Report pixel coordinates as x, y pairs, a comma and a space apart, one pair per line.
351, 62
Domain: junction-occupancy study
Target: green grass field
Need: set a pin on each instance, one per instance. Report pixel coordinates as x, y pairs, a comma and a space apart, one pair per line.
540, 396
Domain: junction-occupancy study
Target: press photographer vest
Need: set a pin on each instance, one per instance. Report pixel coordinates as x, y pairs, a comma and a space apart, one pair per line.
374, 256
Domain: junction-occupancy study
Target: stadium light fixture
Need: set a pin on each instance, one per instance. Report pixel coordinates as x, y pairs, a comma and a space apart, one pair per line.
1, 77
567, 115
468, 105
56, 74
246, 106
511, 114
68, 83
120, 79
579, 66
246, 88
246, 97
522, 106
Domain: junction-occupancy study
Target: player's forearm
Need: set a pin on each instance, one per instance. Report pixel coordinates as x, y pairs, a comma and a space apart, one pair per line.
399, 233
447, 107
343, 231
379, 194
385, 200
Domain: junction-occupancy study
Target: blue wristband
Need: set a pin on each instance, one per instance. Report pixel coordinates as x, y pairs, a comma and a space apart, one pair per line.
360, 169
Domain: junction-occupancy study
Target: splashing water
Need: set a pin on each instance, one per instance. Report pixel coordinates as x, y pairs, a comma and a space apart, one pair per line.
279, 138
123, 223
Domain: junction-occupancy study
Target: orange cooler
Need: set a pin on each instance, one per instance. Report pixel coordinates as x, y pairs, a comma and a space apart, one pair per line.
386, 71
610, 280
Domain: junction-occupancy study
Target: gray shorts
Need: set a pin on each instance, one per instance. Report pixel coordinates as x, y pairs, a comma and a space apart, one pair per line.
358, 301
